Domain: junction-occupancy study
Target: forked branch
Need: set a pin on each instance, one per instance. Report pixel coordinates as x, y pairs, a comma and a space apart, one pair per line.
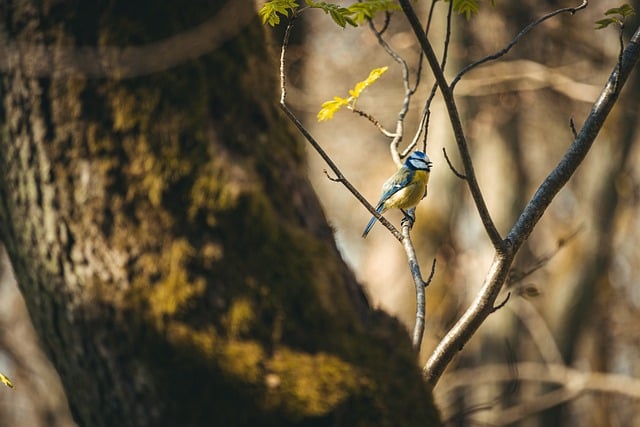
483, 304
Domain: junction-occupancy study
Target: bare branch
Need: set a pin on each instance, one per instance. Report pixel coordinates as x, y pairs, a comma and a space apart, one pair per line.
515, 40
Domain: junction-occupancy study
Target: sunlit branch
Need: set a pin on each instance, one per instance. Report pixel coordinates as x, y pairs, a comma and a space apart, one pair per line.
419, 282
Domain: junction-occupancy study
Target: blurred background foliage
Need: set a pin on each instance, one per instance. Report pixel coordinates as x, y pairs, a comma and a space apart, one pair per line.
575, 292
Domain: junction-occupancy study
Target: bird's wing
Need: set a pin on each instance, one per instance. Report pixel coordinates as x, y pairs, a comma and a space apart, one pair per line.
397, 182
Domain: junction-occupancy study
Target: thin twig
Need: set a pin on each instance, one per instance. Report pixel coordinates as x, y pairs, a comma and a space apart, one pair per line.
373, 120
339, 176
518, 276
408, 93
572, 125
431, 273
330, 178
502, 304
453, 169
515, 40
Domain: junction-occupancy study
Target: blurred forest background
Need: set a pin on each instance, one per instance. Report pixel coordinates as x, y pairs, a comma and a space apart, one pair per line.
575, 292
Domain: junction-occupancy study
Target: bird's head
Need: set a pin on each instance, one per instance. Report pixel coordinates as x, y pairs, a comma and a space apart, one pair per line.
418, 161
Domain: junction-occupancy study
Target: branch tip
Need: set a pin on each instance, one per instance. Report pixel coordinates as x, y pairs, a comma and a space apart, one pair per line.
330, 178
453, 169
502, 304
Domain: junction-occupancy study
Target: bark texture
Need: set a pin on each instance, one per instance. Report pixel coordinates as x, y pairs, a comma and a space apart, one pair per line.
172, 254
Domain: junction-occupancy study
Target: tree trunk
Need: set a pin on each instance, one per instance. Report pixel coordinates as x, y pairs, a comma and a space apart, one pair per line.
174, 259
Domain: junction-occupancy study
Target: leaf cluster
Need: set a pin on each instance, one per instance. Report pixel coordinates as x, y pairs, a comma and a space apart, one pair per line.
468, 7
353, 15
615, 15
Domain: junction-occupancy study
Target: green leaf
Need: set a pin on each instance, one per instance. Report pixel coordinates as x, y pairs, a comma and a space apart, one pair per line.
604, 23
339, 14
271, 11
615, 15
367, 9
355, 14
466, 7
624, 11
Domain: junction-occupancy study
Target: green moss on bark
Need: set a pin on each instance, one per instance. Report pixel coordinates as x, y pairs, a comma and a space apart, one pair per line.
176, 250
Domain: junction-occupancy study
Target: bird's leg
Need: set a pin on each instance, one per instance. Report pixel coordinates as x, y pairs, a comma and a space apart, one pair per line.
409, 217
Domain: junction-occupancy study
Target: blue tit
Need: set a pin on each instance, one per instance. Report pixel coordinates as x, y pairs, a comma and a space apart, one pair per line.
405, 188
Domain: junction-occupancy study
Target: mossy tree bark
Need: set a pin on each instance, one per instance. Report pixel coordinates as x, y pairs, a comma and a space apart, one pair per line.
175, 261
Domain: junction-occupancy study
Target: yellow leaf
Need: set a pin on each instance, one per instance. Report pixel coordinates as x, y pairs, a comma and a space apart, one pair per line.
329, 108
374, 75
5, 380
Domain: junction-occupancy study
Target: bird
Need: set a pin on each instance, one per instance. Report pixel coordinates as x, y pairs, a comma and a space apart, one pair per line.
405, 188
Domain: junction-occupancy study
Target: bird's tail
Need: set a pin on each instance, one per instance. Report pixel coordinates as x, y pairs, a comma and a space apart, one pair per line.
372, 221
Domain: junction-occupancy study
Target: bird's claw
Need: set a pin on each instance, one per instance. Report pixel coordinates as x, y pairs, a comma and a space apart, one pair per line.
409, 217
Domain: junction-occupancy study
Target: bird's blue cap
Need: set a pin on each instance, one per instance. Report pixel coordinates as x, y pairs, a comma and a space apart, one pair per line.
418, 161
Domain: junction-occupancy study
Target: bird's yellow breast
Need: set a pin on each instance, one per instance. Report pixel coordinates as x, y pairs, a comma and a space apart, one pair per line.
409, 196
